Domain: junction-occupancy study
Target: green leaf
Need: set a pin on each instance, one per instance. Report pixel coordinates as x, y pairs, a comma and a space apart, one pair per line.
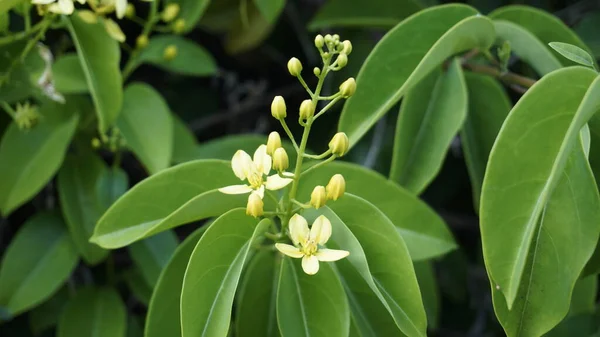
94, 312
191, 11
175, 196
111, 185
36, 263
311, 305
6, 5
587, 28
488, 107
256, 302
81, 207
99, 55
163, 312
134, 327
270, 9
405, 56
191, 59
362, 13
45, 316
431, 115
23, 176
573, 53
138, 285
527, 47
583, 299
184, 142
68, 75
546, 27
248, 31
429, 291
214, 271
424, 232
146, 125
151, 255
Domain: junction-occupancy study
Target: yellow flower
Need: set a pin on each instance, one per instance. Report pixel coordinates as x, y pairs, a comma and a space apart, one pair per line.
254, 170
308, 243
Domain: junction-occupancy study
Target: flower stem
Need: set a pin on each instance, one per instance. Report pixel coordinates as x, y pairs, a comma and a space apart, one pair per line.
328, 160
289, 133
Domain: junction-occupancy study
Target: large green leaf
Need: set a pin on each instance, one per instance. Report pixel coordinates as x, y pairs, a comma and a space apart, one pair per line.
36, 263
190, 11
99, 55
248, 30
145, 122
94, 312
584, 296
429, 291
311, 305
81, 207
151, 255
22, 76
587, 28
431, 115
488, 107
111, 185
6, 5
270, 9
406, 55
214, 271
163, 312
159, 202
424, 232
23, 176
363, 13
68, 75
256, 302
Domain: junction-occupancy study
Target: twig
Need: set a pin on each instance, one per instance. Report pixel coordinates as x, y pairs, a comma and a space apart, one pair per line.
508, 77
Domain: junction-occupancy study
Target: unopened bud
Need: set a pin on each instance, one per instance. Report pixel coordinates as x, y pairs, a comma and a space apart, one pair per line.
87, 16
96, 143
347, 47
294, 67
255, 205
130, 11
170, 12
273, 142
280, 160
318, 197
319, 41
336, 187
141, 42
170, 53
328, 39
179, 26
342, 60
307, 109
317, 71
348, 88
339, 144
278, 109
335, 37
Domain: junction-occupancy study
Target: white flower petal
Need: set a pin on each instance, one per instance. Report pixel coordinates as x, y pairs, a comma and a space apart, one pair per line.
42, 2
287, 174
260, 191
236, 189
241, 163
262, 160
321, 230
120, 8
289, 250
310, 264
113, 29
329, 255
62, 7
299, 231
82, 1
275, 182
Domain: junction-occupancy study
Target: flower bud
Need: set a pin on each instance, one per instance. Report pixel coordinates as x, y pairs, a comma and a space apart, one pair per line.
319, 41
294, 67
336, 187
273, 143
307, 109
170, 53
280, 160
317, 71
141, 42
87, 16
178, 26
339, 144
255, 205
347, 47
278, 109
130, 11
170, 12
342, 60
96, 144
328, 39
318, 197
335, 37
348, 88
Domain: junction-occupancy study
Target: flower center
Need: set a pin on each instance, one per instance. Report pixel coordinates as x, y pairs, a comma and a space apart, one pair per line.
255, 180
310, 248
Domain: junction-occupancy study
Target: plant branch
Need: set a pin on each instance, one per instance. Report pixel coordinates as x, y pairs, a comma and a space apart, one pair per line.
507, 77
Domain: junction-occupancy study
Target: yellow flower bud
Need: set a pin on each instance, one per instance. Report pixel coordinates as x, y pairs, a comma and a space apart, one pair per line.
336, 187
273, 143
113, 29
278, 108
347, 47
319, 41
280, 160
255, 205
328, 39
96, 143
317, 71
170, 53
307, 109
342, 60
130, 11
170, 12
141, 42
335, 37
348, 88
179, 26
318, 197
87, 16
294, 67
339, 144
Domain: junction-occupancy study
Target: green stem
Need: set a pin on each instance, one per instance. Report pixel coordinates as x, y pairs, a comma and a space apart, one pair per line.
328, 160
300, 204
9, 110
306, 86
318, 157
150, 22
289, 133
21, 35
327, 107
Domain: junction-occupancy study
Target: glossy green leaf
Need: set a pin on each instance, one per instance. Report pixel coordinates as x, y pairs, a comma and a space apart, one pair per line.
431, 115
214, 271
147, 127
429, 291
256, 302
191, 11
81, 207
94, 312
36, 263
573, 53
270, 9
489, 105
99, 55
583, 299
522, 170
527, 47
185, 144
111, 185
311, 305
68, 75
45, 316
138, 285
23, 176
362, 13
151, 255
424, 232
405, 55
192, 59
163, 312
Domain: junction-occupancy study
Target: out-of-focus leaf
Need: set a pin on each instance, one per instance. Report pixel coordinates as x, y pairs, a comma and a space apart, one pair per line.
573, 53
191, 11
112, 184
588, 29
363, 13
247, 33
6, 5
429, 292
270, 9
184, 142
68, 75
138, 285
151, 255
46, 315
